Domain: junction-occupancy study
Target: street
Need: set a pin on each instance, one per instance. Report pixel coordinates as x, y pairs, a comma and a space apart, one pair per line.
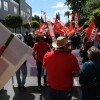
12, 92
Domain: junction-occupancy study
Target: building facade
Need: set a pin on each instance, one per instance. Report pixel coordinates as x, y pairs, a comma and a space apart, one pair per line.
15, 7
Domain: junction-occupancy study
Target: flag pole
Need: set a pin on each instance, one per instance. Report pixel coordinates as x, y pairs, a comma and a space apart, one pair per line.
41, 13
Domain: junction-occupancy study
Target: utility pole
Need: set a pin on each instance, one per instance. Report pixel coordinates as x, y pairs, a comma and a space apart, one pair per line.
44, 13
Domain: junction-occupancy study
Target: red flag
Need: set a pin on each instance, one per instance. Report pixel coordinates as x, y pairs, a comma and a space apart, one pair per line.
44, 13
42, 27
59, 27
28, 21
90, 28
71, 27
71, 30
37, 31
94, 35
76, 20
73, 15
92, 32
85, 30
80, 28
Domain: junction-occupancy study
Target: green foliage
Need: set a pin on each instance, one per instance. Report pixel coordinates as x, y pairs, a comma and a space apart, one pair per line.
26, 25
91, 4
96, 14
14, 21
87, 9
35, 18
35, 24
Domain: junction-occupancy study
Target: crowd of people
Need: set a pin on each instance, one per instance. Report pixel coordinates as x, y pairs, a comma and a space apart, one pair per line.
62, 66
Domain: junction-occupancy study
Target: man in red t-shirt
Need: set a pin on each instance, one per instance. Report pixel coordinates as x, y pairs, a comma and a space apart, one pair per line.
61, 66
39, 50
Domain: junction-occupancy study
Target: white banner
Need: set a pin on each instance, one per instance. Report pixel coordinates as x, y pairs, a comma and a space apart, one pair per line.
13, 56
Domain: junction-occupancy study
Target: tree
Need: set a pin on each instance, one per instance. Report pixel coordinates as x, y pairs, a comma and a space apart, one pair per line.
35, 24
96, 14
13, 21
86, 10
67, 13
26, 25
35, 18
58, 16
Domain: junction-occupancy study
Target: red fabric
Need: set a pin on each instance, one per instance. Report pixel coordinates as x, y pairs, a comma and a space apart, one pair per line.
73, 14
90, 28
41, 48
76, 20
59, 27
37, 31
97, 38
80, 28
44, 13
70, 27
42, 27
28, 21
60, 66
71, 32
85, 30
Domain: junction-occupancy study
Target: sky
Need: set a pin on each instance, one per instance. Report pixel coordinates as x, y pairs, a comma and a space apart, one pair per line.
51, 7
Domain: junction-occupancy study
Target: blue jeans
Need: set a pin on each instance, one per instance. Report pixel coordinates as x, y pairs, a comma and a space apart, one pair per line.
59, 94
21, 71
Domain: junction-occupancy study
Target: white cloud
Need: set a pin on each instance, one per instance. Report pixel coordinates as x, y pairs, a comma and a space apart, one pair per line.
59, 5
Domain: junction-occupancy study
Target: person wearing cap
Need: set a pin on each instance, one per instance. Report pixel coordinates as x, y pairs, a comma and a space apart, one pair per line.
61, 67
39, 50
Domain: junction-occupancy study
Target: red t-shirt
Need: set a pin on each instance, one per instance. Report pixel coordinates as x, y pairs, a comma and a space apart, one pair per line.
60, 66
41, 48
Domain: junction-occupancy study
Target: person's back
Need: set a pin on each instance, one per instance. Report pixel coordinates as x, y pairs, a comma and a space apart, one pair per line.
25, 37
30, 40
61, 67
39, 50
89, 72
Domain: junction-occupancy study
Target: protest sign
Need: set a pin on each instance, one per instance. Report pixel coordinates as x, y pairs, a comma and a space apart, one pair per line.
13, 52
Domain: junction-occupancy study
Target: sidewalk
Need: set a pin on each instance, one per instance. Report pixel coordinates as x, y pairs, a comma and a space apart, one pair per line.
11, 92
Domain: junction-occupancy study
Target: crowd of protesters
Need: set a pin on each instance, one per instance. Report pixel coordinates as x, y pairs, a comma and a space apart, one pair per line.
61, 65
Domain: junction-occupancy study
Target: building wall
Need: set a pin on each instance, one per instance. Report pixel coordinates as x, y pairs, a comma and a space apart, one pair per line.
22, 5
11, 6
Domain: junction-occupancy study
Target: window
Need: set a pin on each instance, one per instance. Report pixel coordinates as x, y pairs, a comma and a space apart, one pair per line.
24, 14
28, 10
5, 6
0, 3
15, 10
21, 13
